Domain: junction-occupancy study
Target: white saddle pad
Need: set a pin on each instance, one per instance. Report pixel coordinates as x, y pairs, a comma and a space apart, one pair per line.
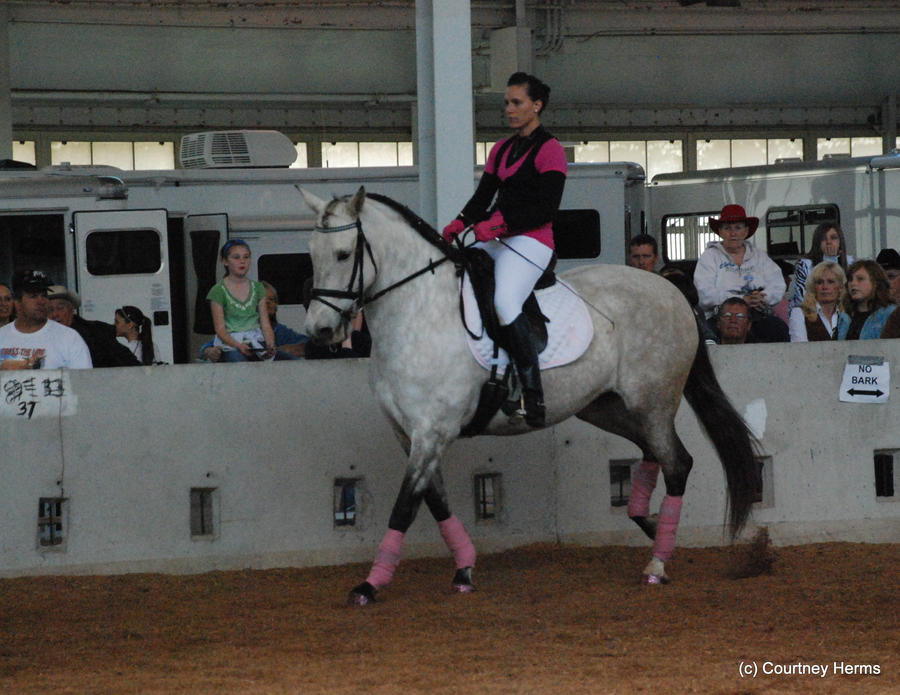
568, 334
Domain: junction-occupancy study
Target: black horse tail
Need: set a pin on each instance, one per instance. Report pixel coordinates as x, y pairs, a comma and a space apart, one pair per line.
732, 439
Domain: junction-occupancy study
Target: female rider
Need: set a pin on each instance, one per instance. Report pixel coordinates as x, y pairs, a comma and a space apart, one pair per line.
527, 172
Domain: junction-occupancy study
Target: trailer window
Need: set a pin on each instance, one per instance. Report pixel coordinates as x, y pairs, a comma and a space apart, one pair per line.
576, 233
790, 230
685, 236
287, 272
125, 252
32, 241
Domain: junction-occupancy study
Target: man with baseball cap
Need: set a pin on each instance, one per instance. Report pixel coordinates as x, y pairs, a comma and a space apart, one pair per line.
889, 260
100, 337
32, 341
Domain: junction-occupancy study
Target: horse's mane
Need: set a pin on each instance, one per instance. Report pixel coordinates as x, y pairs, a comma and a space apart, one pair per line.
425, 230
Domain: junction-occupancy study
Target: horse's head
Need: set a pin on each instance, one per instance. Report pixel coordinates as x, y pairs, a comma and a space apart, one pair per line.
343, 266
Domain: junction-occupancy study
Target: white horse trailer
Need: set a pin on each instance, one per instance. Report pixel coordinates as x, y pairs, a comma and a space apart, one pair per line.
861, 194
151, 238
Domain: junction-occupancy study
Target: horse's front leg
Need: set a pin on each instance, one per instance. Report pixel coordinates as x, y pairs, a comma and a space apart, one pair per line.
454, 534
418, 483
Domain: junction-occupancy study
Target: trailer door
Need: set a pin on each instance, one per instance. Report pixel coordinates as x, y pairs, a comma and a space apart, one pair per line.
122, 257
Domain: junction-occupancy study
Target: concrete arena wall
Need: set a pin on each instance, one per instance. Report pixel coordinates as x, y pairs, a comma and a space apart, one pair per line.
272, 438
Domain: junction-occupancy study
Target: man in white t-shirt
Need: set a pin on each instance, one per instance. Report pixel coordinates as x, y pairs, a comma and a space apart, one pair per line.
32, 341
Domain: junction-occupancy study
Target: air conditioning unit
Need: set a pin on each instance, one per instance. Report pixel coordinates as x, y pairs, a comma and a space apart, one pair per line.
236, 148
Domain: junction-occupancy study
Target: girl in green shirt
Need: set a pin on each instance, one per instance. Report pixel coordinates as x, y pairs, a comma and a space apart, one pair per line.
238, 306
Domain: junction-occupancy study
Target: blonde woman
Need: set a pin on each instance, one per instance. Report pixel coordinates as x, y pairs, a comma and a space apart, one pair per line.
821, 314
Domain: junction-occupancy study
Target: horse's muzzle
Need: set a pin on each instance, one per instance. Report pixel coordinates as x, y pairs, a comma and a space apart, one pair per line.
323, 335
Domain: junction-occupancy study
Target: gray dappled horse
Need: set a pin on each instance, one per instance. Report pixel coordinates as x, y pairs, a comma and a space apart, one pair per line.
646, 352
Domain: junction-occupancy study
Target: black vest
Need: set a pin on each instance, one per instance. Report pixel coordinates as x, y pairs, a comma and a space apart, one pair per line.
518, 197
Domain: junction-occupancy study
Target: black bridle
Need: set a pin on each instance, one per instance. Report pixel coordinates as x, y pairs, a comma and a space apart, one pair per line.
356, 287
356, 276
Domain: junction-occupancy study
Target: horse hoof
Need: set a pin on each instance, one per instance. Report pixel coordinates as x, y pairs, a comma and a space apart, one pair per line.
654, 579
462, 581
355, 599
362, 595
462, 588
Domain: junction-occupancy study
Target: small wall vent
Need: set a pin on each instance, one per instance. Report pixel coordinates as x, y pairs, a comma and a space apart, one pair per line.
236, 148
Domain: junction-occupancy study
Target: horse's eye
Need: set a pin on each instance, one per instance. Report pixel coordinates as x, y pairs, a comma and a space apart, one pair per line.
343, 255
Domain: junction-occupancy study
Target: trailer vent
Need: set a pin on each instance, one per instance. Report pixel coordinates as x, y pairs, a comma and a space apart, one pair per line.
236, 148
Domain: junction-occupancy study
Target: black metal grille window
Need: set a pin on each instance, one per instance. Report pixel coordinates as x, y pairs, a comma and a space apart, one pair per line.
487, 495
202, 518
884, 474
620, 482
51, 521
344, 499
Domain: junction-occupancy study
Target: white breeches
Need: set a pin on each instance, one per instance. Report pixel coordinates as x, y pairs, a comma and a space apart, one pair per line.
519, 262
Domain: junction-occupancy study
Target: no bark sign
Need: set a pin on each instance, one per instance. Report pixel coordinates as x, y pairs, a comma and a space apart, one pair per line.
867, 379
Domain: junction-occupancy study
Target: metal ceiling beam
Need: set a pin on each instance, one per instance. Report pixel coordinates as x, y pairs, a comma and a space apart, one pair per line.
580, 17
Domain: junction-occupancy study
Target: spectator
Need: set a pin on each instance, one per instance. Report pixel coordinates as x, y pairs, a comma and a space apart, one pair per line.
32, 341
822, 311
871, 312
238, 306
135, 330
357, 344
783, 309
733, 267
289, 344
100, 337
733, 322
678, 278
827, 245
643, 252
889, 260
7, 308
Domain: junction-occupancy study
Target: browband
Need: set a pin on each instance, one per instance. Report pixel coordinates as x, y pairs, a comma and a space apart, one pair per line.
343, 228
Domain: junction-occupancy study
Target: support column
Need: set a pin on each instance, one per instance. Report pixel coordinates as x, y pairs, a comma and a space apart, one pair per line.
6, 134
889, 123
445, 135
810, 148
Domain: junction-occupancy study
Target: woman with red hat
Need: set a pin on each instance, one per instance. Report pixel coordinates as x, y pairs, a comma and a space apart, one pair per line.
733, 267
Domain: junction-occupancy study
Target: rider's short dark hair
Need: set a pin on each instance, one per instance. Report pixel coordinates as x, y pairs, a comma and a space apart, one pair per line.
537, 90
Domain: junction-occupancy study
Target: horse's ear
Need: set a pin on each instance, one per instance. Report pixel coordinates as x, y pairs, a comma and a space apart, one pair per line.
356, 202
316, 204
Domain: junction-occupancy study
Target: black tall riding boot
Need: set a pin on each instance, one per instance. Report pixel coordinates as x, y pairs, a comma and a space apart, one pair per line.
521, 349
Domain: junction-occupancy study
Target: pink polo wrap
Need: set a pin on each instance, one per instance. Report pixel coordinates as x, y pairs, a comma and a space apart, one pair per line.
456, 538
642, 485
669, 515
387, 559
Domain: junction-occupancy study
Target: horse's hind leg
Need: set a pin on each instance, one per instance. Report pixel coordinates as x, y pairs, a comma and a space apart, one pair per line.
608, 412
654, 433
643, 483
